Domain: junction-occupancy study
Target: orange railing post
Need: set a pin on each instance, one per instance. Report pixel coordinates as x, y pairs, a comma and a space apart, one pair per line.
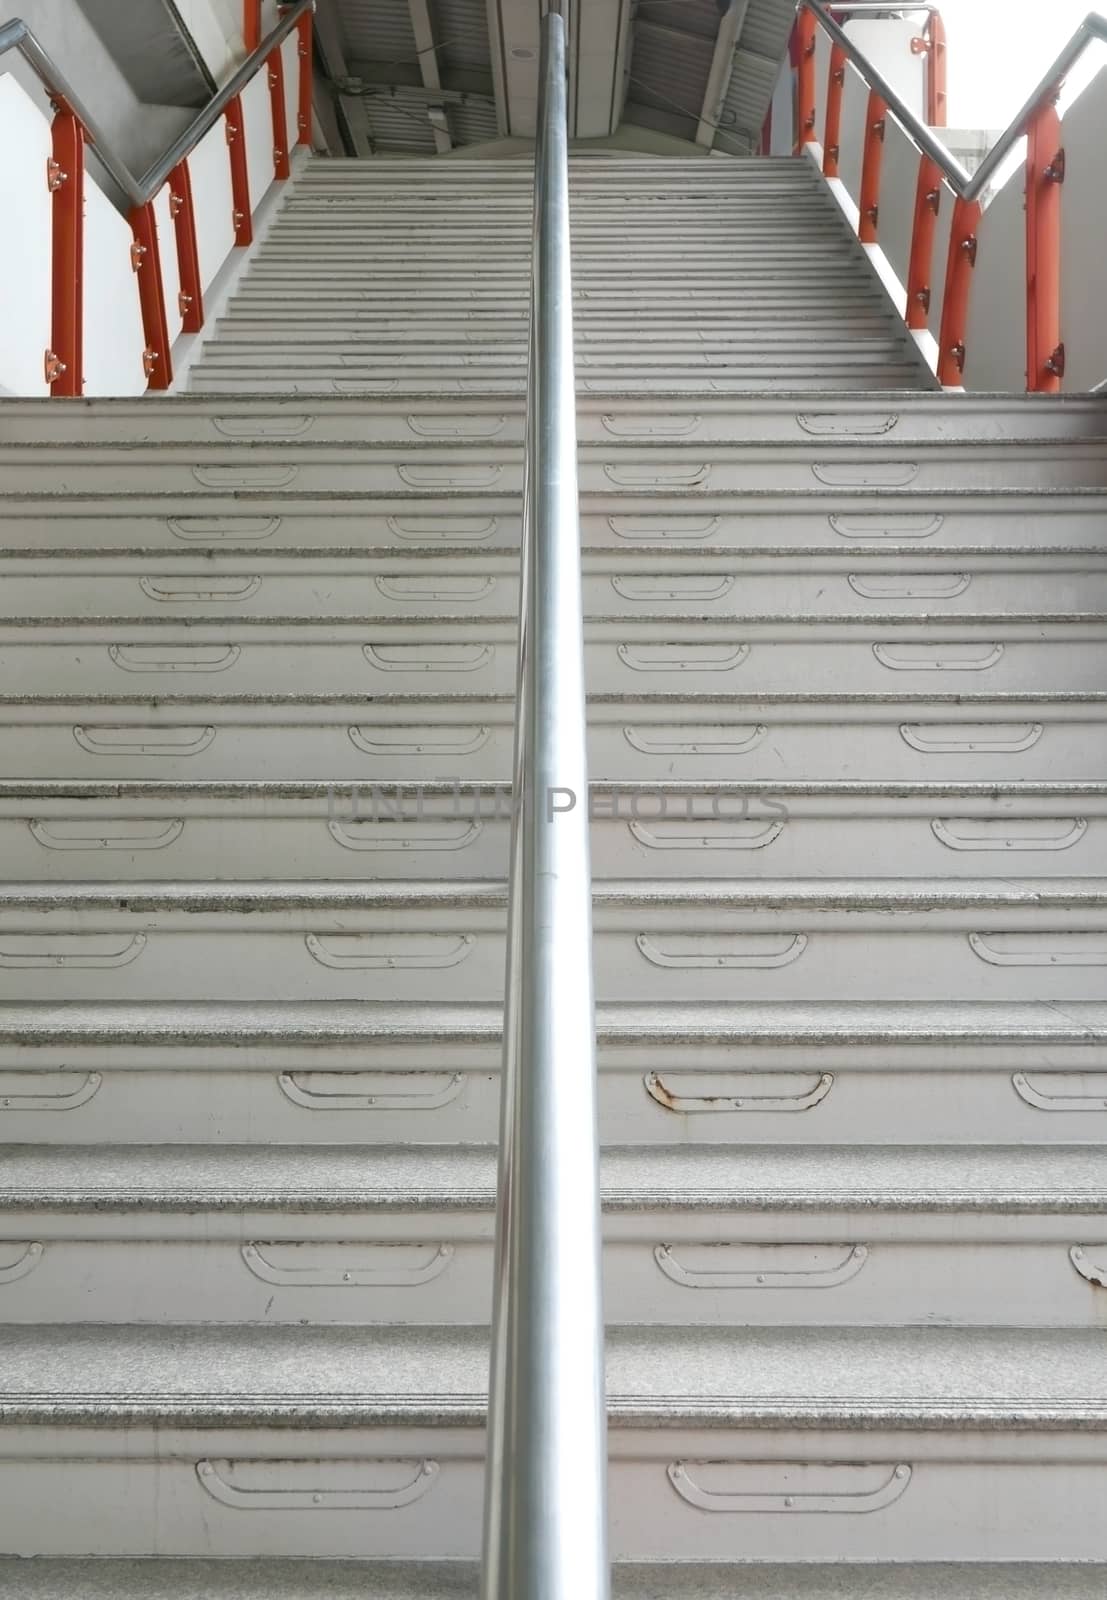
835, 88
1045, 173
936, 96
251, 24
304, 117
240, 173
65, 177
282, 167
931, 43
146, 260
806, 28
955, 306
191, 300
872, 166
928, 201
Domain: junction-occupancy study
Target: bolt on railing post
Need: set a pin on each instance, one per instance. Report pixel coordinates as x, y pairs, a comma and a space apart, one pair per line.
835, 89
937, 99
806, 30
303, 118
955, 305
65, 176
545, 1507
872, 167
928, 203
146, 259
1045, 173
183, 212
240, 173
282, 166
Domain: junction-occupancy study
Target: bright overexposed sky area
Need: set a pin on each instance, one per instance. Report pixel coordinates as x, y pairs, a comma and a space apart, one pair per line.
1000, 49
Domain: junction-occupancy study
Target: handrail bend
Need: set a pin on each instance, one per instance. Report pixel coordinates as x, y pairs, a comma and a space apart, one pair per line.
74, 129
1037, 121
967, 186
545, 1521
16, 35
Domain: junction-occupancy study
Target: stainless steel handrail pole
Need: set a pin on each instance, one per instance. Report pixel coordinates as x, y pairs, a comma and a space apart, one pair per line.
970, 186
545, 1507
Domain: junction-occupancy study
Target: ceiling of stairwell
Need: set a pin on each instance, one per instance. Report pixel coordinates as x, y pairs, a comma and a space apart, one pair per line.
426, 77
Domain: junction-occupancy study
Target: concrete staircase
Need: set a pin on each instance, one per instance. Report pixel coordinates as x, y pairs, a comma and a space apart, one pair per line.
850, 800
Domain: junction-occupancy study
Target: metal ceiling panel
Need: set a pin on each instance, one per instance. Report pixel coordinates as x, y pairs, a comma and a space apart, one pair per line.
688, 16
762, 45
461, 33
669, 70
377, 30
767, 29
399, 122
473, 121
751, 87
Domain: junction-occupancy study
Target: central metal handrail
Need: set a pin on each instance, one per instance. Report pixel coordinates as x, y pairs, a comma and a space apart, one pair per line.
968, 186
545, 1507
16, 35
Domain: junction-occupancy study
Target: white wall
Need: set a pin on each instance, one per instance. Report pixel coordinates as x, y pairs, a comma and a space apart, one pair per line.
997, 313
1084, 239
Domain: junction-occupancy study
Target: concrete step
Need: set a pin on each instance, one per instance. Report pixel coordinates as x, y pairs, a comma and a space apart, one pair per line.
890, 523
648, 660
422, 417
206, 378
367, 1075
198, 1579
303, 587
694, 1237
368, 1441
97, 831
663, 940
675, 470
894, 737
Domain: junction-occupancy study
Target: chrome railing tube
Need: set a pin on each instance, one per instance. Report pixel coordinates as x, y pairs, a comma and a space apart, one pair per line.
16, 35
970, 186
545, 1511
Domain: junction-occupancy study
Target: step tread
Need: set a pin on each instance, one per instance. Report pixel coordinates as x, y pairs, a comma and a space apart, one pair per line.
321, 1022
261, 790
195, 1578
764, 894
1018, 1180
211, 1376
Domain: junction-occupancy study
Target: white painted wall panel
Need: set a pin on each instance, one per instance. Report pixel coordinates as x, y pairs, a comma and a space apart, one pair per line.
114, 338
210, 168
855, 106
887, 44
898, 184
25, 260
996, 340
257, 112
1084, 240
